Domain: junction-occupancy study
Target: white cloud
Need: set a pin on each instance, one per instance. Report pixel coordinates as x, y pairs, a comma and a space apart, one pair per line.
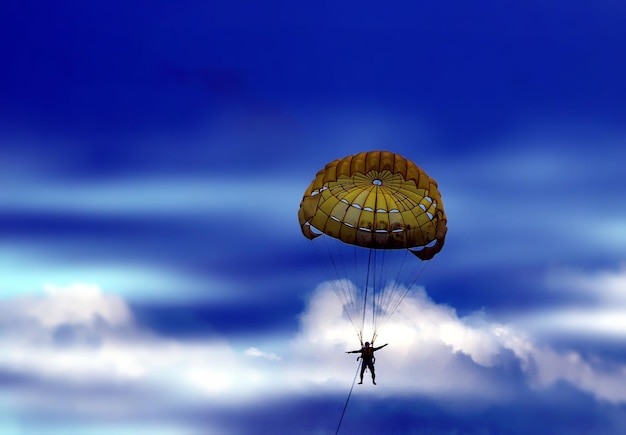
81, 336
546, 366
423, 339
76, 304
596, 311
431, 351
605, 286
256, 353
426, 337
607, 322
594, 306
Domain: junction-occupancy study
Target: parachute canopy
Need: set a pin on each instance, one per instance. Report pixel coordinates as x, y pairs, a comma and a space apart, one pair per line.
377, 200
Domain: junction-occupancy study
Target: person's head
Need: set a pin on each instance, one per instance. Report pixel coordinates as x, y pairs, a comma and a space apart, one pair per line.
367, 344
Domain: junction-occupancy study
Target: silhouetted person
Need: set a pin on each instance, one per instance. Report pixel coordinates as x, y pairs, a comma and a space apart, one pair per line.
367, 357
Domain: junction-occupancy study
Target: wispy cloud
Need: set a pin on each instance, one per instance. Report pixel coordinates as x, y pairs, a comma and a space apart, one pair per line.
27, 270
535, 202
593, 305
158, 196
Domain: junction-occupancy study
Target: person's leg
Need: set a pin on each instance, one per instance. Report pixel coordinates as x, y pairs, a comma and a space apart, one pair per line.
373, 374
362, 371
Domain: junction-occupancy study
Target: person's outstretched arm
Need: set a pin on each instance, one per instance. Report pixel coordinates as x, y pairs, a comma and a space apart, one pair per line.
380, 347
354, 351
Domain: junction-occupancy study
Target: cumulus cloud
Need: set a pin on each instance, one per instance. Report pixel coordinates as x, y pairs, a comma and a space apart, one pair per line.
433, 350
546, 366
79, 338
81, 334
83, 344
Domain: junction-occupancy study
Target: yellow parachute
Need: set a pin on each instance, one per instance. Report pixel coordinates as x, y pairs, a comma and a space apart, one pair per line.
377, 203
377, 200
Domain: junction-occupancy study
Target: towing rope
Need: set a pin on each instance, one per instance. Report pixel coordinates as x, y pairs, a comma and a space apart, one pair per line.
348, 399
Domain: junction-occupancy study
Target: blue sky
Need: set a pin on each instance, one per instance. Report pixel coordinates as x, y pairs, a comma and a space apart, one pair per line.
153, 277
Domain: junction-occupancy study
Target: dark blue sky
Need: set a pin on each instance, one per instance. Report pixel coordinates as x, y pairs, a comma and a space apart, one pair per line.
154, 155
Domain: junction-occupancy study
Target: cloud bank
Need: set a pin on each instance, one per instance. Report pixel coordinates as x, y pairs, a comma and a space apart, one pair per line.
83, 343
